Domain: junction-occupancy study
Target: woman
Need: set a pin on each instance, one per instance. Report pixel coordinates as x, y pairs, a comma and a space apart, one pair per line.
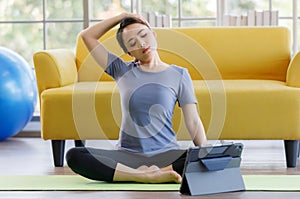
149, 88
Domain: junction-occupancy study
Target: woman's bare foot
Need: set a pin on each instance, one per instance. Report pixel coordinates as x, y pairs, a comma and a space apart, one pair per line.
154, 174
147, 168
159, 176
145, 174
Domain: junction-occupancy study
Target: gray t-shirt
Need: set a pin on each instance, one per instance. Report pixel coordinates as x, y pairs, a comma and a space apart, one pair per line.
147, 101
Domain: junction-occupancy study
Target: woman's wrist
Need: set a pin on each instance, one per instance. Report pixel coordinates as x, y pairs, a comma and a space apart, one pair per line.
123, 15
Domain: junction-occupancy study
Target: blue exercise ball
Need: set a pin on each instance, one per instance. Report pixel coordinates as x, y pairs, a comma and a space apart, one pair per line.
17, 93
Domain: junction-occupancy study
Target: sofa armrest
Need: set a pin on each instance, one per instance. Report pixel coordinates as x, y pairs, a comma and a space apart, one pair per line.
293, 72
54, 68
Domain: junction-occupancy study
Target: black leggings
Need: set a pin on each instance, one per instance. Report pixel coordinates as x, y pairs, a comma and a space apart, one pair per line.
100, 164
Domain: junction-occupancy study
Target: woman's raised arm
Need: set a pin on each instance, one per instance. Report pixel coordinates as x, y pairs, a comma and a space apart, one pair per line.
91, 35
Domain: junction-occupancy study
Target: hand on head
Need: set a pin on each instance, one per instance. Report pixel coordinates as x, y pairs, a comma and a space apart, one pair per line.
138, 17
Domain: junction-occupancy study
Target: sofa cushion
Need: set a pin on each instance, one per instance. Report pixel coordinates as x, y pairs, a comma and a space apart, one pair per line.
239, 53
88, 108
249, 109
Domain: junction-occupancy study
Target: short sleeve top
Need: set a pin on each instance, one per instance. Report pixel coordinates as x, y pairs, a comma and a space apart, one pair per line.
147, 101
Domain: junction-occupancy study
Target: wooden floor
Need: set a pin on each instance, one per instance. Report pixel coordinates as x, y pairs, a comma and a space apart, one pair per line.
32, 156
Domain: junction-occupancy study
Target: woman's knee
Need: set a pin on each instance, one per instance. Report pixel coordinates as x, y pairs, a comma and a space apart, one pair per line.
73, 155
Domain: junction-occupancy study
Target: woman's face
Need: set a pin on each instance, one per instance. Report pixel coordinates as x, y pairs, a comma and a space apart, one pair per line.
140, 41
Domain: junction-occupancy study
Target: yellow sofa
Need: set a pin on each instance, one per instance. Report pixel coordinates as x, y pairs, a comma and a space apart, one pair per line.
245, 80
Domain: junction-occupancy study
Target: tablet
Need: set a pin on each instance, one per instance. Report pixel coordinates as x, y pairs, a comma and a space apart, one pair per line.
212, 169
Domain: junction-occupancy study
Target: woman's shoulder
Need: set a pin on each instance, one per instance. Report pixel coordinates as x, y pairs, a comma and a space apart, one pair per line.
180, 69
117, 67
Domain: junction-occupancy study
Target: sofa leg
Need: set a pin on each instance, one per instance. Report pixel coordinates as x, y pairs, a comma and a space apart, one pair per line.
79, 143
58, 150
299, 150
291, 152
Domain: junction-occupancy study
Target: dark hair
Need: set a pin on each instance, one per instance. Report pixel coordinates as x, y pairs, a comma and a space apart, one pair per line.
123, 24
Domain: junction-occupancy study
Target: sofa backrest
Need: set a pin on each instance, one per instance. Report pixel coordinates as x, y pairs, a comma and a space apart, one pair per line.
209, 53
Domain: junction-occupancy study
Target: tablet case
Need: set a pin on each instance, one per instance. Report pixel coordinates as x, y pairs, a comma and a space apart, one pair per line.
214, 169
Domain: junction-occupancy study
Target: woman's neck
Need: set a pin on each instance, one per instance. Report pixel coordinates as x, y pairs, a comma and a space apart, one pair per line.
153, 65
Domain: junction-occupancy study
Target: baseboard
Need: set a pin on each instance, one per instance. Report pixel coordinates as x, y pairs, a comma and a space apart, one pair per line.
32, 129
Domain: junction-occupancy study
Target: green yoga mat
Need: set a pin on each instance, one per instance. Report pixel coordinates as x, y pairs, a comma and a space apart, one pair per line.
78, 183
